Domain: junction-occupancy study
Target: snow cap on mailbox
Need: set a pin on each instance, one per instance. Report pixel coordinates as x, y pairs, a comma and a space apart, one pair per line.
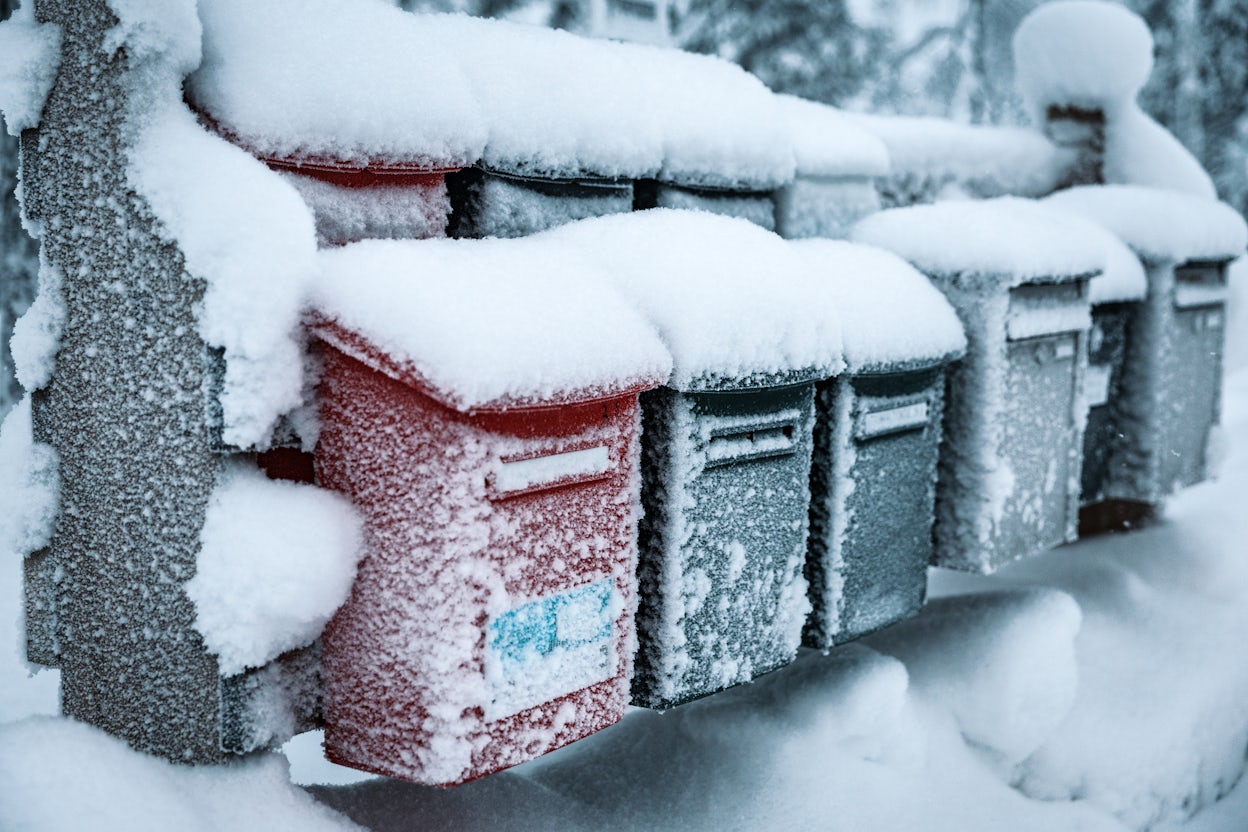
828, 142
1160, 225
486, 324
733, 303
451, 90
1007, 241
891, 315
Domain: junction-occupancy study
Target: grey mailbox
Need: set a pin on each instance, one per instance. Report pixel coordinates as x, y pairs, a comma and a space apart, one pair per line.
726, 444
747, 203
1010, 463
877, 438
1168, 390
494, 203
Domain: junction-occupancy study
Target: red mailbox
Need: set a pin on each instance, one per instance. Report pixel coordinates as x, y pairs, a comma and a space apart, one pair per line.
492, 616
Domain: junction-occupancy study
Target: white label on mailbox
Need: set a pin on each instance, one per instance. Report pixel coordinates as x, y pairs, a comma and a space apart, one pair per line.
1064, 349
548, 648
1096, 384
893, 419
1213, 320
518, 475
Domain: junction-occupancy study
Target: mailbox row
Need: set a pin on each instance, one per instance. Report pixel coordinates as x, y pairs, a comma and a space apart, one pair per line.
791, 418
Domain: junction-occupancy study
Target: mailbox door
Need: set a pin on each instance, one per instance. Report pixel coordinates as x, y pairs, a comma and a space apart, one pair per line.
1192, 370
756, 206
1040, 444
1107, 347
488, 204
888, 541
725, 521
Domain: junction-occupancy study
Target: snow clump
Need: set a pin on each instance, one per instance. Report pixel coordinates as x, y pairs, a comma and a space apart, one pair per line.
278, 559
29, 484
30, 53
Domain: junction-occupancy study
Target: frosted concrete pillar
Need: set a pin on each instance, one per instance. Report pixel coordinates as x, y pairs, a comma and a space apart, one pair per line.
125, 410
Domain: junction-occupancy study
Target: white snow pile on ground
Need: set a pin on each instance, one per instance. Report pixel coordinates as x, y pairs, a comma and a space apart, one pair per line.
278, 559
924, 727
1095, 55
29, 56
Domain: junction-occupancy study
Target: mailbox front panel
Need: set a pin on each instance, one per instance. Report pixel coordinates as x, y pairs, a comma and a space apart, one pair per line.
1192, 373
1041, 444
491, 205
758, 208
723, 538
871, 528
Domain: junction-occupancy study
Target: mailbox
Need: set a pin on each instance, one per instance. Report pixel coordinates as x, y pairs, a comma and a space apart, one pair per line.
726, 443
1017, 274
757, 206
1166, 396
494, 203
876, 443
494, 458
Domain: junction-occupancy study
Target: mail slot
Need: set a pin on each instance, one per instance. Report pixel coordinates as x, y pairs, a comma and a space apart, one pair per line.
492, 615
495, 203
756, 206
1011, 459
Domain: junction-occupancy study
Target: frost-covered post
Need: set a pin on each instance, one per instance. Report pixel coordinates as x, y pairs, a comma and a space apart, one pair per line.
124, 406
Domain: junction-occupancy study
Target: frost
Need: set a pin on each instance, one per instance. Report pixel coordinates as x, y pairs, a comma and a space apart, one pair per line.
1160, 225
553, 328
277, 560
30, 53
37, 334
29, 484
249, 236
167, 30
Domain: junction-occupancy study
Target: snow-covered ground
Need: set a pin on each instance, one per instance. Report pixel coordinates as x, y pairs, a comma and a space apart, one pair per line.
1103, 686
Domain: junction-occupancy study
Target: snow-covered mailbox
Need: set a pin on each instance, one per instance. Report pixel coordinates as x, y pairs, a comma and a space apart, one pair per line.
492, 450
368, 141
1017, 273
838, 161
726, 444
1168, 397
726, 145
877, 438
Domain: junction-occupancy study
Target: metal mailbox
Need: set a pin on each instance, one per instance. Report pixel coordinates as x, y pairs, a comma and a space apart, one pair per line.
492, 615
494, 203
876, 443
754, 205
1011, 459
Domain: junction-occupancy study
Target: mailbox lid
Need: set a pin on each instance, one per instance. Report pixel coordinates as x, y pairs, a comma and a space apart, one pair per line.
486, 324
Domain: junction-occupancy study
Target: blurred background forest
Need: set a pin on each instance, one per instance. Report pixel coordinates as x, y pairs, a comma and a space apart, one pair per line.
947, 58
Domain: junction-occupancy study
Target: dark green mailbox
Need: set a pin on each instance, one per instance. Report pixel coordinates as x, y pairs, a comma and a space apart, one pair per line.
877, 438
1017, 274
726, 443
1167, 394
494, 203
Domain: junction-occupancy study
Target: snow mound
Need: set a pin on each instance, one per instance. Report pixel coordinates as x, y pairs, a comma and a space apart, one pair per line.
30, 53
890, 313
828, 142
1015, 239
1003, 663
29, 483
278, 559
553, 328
733, 303
61, 776
37, 334
165, 29
1139, 151
255, 255
1082, 53
447, 91
1160, 225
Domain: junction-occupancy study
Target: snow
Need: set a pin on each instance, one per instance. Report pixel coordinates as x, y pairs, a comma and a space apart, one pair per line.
29, 55
1096, 56
1124, 277
447, 91
1159, 225
929, 154
1082, 53
255, 255
30, 483
553, 328
891, 315
1015, 239
278, 559
828, 142
732, 302
167, 30
345, 214
37, 334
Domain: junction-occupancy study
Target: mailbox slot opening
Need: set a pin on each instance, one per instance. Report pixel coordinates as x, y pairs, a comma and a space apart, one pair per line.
1199, 284
756, 440
551, 469
885, 418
